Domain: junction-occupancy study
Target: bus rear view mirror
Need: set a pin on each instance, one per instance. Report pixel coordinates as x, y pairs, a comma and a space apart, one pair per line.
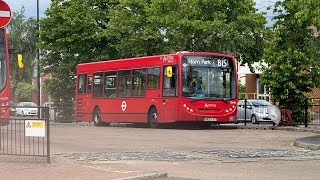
169, 71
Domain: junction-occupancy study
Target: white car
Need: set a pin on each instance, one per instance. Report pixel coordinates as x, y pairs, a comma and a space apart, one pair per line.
257, 110
27, 109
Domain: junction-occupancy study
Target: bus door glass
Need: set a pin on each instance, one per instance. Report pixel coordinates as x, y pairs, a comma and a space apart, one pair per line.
169, 93
88, 94
81, 96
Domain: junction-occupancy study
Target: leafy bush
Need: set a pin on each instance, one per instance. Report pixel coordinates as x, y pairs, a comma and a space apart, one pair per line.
24, 91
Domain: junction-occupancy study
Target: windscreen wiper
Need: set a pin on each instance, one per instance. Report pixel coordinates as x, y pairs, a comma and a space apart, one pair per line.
223, 99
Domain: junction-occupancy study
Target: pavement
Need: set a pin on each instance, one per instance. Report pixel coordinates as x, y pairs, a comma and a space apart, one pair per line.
311, 142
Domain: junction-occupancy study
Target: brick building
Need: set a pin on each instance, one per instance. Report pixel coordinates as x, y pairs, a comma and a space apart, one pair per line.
255, 90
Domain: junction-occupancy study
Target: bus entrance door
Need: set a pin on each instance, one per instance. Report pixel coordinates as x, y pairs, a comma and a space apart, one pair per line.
169, 94
168, 110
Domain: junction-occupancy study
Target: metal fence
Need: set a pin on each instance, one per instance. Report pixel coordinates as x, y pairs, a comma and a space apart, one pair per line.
312, 113
26, 135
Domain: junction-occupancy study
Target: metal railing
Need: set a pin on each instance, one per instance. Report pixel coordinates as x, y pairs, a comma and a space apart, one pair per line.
25, 136
312, 113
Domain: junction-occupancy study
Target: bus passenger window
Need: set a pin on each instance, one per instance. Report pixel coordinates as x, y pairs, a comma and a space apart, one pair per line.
89, 82
110, 80
170, 83
81, 83
97, 84
124, 80
153, 78
139, 82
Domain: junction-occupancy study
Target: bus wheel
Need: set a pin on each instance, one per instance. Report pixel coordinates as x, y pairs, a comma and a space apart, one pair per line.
153, 118
96, 117
205, 125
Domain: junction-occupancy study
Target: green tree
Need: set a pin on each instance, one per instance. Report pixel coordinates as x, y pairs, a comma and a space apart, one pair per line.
241, 90
136, 34
293, 54
167, 26
24, 91
73, 32
80, 31
22, 36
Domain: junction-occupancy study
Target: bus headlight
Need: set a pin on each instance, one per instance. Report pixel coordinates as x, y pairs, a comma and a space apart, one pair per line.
187, 108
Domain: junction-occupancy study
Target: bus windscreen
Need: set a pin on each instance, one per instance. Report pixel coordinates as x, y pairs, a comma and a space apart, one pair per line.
208, 77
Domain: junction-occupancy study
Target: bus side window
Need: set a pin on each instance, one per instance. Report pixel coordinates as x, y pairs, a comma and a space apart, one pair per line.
110, 84
170, 83
81, 83
97, 84
139, 82
153, 78
124, 81
89, 84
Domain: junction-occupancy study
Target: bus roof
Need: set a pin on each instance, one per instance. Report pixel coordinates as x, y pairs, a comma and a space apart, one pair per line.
137, 62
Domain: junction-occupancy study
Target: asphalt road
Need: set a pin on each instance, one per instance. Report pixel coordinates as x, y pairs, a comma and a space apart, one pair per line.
189, 153
186, 153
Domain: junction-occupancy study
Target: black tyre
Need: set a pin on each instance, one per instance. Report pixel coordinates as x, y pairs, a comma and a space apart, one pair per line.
254, 119
205, 125
153, 118
96, 117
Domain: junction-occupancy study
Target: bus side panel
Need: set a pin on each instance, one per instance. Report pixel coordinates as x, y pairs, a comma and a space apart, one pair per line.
83, 111
124, 110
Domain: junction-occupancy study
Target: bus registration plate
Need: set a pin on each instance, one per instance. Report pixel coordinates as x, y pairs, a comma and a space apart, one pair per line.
210, 119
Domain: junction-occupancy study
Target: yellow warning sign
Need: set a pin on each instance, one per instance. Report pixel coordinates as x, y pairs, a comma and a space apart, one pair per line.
37, 124
35, 128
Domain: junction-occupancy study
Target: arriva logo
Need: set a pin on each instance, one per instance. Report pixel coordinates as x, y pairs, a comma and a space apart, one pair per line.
210, 105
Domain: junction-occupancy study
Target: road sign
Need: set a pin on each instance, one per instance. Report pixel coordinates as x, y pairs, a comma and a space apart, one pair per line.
5, 14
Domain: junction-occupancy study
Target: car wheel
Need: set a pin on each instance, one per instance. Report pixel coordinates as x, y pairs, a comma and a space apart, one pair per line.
153, 118
254, 119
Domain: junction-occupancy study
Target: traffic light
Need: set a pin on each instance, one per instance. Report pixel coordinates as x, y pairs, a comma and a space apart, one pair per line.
20, 63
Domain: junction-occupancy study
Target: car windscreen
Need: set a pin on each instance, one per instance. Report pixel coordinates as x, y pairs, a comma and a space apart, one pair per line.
29, 104
260, 103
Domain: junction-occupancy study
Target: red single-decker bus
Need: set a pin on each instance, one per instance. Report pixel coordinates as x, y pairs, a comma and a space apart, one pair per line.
183, 87
4, 78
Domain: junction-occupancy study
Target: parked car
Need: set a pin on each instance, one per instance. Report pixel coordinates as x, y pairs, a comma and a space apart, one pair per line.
26, 109
257, 110
13, 110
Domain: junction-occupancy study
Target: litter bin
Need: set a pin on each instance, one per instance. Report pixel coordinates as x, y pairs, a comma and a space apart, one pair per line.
52, 111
